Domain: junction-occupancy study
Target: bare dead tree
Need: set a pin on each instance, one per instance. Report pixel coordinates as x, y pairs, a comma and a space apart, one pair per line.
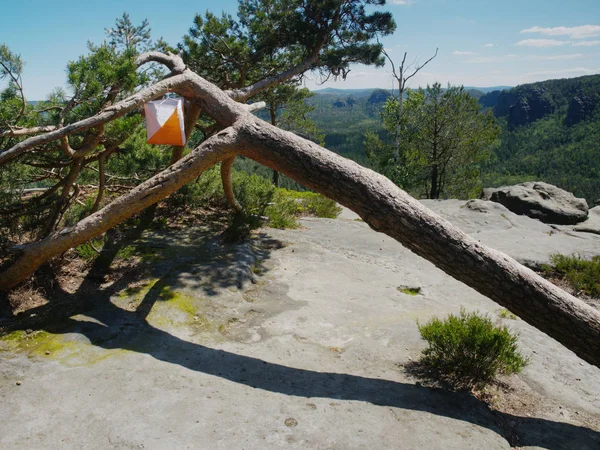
378, 201
402, 74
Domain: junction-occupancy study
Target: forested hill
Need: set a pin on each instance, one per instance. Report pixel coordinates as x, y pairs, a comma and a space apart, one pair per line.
575, 98
550, 132
345, 115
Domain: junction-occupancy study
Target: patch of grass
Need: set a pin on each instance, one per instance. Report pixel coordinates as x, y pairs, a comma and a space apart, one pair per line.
288, 205
506, 314
312, 203
79, 211
160, 223
138, 292
126, 252
409, 290
179, 300
582, 274
89, 251
282, 213
467, 350
38, 343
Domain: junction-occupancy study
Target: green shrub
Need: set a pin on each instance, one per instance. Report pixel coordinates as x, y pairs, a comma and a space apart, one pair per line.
87, 252
258, 197
506, 314
253, 192
321, 206
468, 350
282, 213
313, 204
126, 252
240, 227
583, 275
288, 205
206, 191
78, 211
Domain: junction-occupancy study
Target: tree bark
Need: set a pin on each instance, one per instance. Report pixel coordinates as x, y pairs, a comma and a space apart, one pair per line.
226, 179
434, 193
101, 182
378, 201
62, 202
18, 132
273, 115
192, 112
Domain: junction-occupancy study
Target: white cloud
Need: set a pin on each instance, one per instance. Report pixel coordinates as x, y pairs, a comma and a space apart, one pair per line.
402, 2
585, 43
541, 43
580, 32
459, 53
559, 57
488, 45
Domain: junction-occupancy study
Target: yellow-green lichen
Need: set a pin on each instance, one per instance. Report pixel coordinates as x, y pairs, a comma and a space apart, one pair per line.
57, 347
36, 342
177, 299
131, 297
177, 308
409, 290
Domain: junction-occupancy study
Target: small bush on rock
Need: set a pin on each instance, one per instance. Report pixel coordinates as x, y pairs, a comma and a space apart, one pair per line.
288, 205
583, 275
468, 350
282, 213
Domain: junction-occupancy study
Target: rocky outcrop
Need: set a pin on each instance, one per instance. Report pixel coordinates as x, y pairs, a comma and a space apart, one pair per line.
592, 224
535, 105
482, 206
542, 201
378, 96
522, 106
490, 99
580, 108
518, 113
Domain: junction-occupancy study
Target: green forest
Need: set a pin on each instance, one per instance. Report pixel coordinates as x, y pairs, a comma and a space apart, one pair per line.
550, 131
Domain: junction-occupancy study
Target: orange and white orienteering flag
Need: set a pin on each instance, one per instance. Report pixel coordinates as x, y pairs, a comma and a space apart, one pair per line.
164, 122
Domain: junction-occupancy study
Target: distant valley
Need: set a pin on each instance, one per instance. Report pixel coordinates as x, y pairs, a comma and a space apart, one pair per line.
550, 130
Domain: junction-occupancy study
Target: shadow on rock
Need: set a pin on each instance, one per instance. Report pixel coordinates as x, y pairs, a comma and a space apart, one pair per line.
129, 330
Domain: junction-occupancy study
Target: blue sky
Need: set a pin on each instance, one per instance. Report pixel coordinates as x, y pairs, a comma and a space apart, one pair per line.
481, 42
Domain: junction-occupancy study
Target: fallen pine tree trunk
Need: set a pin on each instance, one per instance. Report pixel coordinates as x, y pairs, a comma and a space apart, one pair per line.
379, 202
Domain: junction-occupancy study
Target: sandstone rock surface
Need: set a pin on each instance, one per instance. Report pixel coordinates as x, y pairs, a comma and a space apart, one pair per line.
542, 201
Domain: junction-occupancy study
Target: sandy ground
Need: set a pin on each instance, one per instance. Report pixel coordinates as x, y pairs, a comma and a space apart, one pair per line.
298, 340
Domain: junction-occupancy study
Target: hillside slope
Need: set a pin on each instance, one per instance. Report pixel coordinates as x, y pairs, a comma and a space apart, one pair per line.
551, 132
